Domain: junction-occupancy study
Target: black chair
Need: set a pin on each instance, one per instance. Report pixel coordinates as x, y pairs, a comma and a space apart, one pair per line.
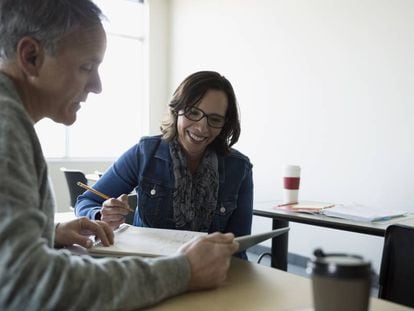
72, 177
396, 281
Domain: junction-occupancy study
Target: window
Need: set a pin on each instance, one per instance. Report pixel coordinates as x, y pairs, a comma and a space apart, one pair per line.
108, 123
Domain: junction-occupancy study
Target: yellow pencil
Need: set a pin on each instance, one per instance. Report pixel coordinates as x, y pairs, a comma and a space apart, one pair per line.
104, 196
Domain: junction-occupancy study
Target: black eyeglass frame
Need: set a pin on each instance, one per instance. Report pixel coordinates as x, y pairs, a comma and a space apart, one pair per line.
187, 111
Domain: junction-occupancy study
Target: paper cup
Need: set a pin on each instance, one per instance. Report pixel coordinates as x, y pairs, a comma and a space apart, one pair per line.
291, 181
340, 282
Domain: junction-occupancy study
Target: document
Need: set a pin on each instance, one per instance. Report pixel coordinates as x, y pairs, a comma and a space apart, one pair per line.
362, 213
144, 241
152, 242
355, 212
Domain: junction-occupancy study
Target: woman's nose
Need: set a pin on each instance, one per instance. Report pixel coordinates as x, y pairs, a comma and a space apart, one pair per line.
202, 123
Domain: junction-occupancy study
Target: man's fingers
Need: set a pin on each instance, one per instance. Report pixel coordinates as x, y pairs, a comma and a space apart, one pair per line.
108, 231
220, 237
106, 236
83, 241
229, 248
209, 258
235, 247
224, 241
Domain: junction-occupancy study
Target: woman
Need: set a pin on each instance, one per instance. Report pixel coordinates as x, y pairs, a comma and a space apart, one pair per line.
188, 178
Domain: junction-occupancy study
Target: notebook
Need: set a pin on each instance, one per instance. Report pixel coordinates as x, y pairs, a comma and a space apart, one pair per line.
362, 213
144, 241
152, 242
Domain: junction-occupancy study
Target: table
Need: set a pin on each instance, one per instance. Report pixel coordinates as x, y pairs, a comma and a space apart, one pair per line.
252, 286
280, 219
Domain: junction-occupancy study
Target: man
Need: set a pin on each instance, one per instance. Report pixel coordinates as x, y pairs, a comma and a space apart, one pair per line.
50, 51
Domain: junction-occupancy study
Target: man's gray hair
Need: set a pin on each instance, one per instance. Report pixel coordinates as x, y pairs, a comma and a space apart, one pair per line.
47, 21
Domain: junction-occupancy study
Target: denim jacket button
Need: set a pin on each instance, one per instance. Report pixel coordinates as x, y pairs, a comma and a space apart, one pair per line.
222, 209
153, 191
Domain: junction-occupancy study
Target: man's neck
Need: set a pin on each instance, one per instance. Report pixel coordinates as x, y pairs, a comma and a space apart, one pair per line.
22, 86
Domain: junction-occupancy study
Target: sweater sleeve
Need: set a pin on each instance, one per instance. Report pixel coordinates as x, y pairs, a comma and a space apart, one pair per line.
34, 276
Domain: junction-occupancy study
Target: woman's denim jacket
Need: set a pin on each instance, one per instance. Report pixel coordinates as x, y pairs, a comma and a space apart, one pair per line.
147, 168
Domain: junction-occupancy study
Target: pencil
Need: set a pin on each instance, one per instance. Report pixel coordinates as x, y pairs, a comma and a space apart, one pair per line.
104, 196
287, 204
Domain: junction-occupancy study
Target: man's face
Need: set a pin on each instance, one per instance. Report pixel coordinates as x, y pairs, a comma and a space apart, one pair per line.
67, 78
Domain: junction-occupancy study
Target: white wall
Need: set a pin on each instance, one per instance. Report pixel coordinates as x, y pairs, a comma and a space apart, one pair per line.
157, 59
326, 84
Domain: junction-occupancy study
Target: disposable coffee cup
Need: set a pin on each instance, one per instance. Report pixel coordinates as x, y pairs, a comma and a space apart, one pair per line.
291, 181
340, 282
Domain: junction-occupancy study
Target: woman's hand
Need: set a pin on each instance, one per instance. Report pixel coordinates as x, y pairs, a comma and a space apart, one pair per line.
114, 211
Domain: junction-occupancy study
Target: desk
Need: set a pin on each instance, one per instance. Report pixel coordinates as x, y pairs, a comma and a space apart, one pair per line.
252, 286
281, 219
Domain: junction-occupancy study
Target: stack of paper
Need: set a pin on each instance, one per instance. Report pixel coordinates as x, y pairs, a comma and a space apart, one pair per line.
362, 213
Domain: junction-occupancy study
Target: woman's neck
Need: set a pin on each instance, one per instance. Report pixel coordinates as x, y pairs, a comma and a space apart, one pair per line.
192, 163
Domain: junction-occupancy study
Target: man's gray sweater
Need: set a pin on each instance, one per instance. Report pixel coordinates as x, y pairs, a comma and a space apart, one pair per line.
33, 275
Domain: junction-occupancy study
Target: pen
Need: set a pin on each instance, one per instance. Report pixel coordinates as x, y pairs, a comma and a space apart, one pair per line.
104, 196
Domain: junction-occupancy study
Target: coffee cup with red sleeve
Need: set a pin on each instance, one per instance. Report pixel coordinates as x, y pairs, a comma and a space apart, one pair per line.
291, 181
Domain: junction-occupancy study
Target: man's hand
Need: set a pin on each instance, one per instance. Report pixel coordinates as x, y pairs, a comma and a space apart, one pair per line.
78, 231
209, 259
114, 211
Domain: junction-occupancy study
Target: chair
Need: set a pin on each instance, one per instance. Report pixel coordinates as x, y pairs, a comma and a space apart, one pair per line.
396, 281
132, 201
72, 177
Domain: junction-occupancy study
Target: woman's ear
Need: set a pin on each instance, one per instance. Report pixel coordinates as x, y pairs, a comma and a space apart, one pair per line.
29, 56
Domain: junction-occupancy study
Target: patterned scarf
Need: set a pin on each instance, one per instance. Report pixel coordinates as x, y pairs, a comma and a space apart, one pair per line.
195, 196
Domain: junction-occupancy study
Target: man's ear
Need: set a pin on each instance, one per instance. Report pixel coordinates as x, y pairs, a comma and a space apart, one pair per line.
30, 56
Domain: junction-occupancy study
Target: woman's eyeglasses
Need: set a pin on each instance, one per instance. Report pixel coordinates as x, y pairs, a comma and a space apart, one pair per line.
196, 114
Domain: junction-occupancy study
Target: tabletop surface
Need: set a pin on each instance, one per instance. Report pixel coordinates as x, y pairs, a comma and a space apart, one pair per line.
252, 286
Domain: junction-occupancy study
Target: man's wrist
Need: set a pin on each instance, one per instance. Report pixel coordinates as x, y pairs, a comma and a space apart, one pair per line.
56, 244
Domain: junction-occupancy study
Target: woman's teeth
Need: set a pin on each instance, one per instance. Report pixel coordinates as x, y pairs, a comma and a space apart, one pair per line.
196, 137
